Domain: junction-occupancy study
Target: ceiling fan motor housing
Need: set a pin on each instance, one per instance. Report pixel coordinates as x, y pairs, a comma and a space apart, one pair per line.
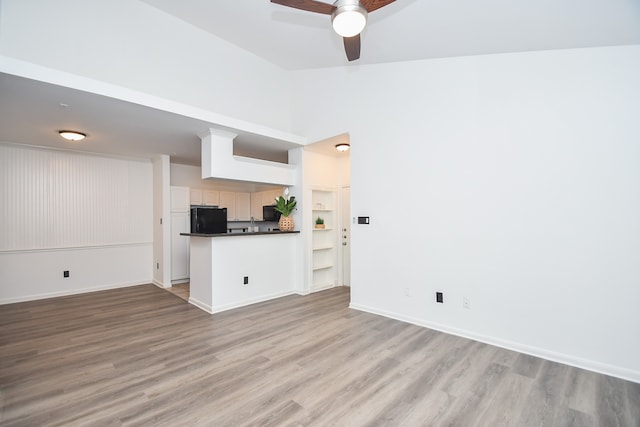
349, 17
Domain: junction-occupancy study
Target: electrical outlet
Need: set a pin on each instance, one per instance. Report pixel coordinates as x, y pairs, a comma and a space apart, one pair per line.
465, 303
439, 297
246, 280
65, 273
407, 292
157, 266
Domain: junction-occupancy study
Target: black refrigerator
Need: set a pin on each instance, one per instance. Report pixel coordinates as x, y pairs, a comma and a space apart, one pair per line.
208, 220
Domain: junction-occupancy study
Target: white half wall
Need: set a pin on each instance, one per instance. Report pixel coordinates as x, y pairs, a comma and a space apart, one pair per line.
511, 180
31, 275
61, 210
218, 266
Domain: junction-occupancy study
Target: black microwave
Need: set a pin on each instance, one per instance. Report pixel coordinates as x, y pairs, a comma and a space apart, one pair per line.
208, 220
269, 213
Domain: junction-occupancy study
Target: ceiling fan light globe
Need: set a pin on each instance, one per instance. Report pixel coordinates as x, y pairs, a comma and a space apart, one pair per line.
349, 18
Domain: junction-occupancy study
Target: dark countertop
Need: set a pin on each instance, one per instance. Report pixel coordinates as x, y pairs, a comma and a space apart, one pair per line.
256, 233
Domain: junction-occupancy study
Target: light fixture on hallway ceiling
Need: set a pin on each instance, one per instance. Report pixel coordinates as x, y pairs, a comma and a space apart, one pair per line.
342, 147
349, 18
72, 135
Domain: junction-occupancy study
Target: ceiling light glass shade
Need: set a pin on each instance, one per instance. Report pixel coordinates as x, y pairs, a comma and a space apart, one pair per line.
72, 135
349, 18
343, 147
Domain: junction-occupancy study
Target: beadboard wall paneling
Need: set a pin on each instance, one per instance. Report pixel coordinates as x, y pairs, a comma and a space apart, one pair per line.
61, 199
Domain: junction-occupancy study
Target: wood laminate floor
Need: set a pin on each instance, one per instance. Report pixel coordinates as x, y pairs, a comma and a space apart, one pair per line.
182, 290
142, 356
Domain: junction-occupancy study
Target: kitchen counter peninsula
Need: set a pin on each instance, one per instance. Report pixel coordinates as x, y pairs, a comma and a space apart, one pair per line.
226, 272
246, 233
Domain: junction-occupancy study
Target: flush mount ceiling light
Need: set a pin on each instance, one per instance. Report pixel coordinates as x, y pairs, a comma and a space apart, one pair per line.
72, 135
343, 147
349, 18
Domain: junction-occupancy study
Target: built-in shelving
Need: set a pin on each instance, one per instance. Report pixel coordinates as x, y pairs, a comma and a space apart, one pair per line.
324, 253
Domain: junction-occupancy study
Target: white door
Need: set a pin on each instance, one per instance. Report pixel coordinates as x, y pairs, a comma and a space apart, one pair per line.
345, 234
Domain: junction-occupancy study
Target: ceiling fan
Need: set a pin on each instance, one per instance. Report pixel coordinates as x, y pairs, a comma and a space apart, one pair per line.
348, 18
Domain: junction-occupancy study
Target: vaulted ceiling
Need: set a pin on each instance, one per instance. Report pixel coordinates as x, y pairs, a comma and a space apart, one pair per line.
409, 30
292, 39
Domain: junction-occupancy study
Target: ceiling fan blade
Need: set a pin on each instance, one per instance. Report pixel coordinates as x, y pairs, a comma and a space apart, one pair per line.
372, 5
352, 47
308, 5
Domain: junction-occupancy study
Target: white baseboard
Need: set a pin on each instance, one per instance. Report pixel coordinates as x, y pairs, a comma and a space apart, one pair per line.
231, 306
590, 365
322, 288
201, 305
70, 292
160, 284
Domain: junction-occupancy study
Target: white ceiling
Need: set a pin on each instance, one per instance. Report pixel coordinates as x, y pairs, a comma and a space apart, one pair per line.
31, 113
293, 39
414, 29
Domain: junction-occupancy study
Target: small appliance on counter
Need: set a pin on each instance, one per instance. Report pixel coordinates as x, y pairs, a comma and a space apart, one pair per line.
208, 220
269, 213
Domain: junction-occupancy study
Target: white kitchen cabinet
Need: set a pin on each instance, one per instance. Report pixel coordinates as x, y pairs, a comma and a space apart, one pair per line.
180, 199
210, 198
228, 200
180, 223
196, 196
256, 206
269, 196
202, 197
238, 205
243, 207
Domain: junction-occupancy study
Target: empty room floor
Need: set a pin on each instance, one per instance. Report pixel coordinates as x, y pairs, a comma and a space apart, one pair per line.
142, 356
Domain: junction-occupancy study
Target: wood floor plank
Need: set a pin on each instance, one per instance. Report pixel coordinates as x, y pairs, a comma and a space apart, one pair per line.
141, 356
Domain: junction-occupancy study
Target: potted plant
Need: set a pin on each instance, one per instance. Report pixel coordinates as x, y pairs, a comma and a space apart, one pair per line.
319, 222
285, 205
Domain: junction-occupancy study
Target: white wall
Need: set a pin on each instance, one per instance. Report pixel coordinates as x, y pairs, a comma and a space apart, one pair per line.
189, 176
161, 221
512, 180
131, 44
63, 210
219, 265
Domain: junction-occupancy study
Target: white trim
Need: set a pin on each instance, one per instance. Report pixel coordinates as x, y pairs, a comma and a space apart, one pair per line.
322, 288
74, 248
71, 292
591, 365
160, 284
231, 306
200, 305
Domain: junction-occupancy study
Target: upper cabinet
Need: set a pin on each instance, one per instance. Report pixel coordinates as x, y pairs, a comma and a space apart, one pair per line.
243, 206
196, 196
211, 198
256, 206
228, 200
180, 199
205, 197
240, 206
